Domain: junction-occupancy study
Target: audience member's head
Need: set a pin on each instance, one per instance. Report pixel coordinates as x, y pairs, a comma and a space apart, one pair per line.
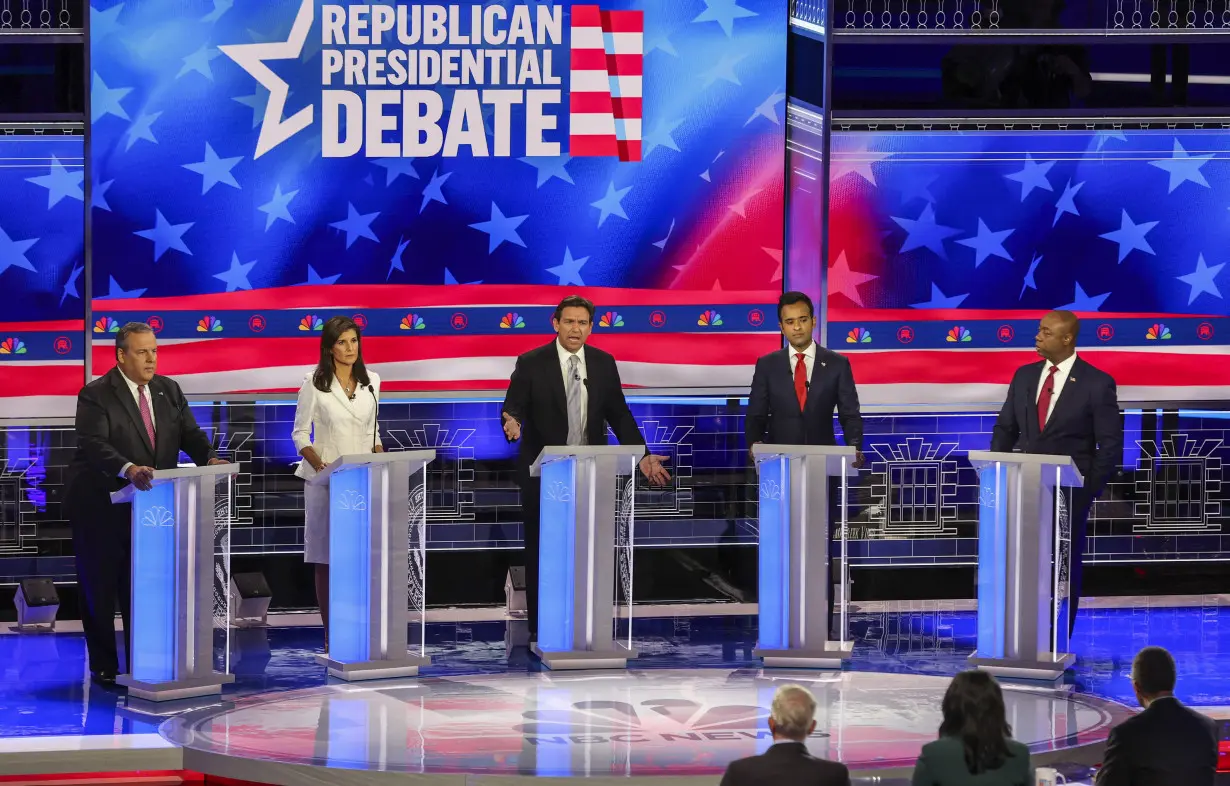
974, 713
1153, 675
793, 714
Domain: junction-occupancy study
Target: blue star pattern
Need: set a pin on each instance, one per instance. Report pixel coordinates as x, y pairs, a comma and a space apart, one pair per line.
988, 243
924, 232
166, 236
396, 262
1183, 168
214, 170
724, 12
236, 276
1083, 302
1131, 236
278, 208
569, 271
1032, 176
357, 225
434, 190
13, 252
500, 228
61, 183
612, 203
1067, 202
1201, 280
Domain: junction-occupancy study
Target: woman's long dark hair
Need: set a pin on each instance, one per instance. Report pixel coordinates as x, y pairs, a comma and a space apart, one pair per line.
974, 713
334, 329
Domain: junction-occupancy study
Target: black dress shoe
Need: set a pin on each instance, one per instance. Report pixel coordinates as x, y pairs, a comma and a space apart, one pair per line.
105, 679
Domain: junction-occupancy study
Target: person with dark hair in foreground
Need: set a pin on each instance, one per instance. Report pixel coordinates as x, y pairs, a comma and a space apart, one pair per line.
975, 747
787, 762
565, 393
1167, 744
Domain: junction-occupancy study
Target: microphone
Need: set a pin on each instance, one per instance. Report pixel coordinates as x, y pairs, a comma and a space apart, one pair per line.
376, 415
585, 382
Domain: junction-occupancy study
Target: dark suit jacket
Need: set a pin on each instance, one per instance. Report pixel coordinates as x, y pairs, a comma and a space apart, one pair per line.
110, 433
1166, 745
537, 399
773, 414
785, 764
942, 763
1084, 423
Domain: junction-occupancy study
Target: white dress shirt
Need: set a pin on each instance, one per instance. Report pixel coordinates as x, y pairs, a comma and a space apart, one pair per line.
136, 396
809, 360
563, 367
1061, 376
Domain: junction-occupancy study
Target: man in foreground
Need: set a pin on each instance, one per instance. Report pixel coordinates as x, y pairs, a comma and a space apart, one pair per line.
791, 720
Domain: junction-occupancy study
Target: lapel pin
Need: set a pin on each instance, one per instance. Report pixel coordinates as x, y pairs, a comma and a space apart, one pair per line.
1071, 379
823, 365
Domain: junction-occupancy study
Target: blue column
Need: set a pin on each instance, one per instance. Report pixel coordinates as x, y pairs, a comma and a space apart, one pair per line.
992, 560
775, 554
154, 587
557, 555
350, 566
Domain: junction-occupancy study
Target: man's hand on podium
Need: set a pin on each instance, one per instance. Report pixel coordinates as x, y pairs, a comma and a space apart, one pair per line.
141, 477
652, 469
512, 429
377, 448
216, 460
860, 460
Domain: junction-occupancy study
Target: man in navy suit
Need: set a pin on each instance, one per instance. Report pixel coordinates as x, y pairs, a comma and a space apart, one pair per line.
1062, 406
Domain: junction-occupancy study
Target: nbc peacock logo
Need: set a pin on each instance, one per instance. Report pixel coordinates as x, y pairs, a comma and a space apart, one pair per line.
959, 335
858, 336
311, 323
413, 322
709, 318
611, 319
1158, 332
12, 346
511, 321
106, 325
208, 324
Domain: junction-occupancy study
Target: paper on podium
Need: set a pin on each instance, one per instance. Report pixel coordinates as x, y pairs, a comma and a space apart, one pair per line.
1068, 475
834, 454
556, 452
161, 476
367, 459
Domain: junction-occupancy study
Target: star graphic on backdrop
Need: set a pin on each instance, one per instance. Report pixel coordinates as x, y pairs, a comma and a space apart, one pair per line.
569, 271
278, 207
395, 262
70, 287
768, 109
117, 292
60, 183
1029, 276
1083, 302
917, 188
251, 57
660, 43
395, 168
660, 136
98, 196
987, 243
1131, 236
142, 129
433, 191
1102, 137
776, 255
725, 69
1183, 167
1032, 176
611, 204
549, 167
923, 232
740, 208
316, 279
451, 280
107, 101
1067, 201
104, 23
844, 281
220, 8
199, 62
214, 170
1201, 280
356, 225
166, 235
857, 161
940, 300
724, 12
237, 276
258, 102
500, 228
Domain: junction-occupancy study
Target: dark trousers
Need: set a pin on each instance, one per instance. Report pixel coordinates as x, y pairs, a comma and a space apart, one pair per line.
530, 491
1080, 503
1180, 57
102, 542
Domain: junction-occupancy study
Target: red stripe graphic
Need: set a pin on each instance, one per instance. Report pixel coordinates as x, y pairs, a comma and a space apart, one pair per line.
622, 21
51, 326
916, 315
602, 104
599, 60
586, 16
48, 380
593, 146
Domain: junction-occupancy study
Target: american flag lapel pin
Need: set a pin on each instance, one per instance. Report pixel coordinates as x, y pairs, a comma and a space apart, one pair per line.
1071, 379
823, 364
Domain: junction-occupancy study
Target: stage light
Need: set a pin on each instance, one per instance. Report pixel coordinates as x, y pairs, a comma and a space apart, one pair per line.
250, 597
37, 603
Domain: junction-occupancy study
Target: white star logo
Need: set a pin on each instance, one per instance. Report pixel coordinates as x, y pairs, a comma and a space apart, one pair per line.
252, 57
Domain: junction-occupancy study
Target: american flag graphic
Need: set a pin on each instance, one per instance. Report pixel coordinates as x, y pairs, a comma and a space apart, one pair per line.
606, 71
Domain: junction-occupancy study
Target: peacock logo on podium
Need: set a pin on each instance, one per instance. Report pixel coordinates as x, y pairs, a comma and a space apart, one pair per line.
157, 516
770, 490
351, 500
558, 492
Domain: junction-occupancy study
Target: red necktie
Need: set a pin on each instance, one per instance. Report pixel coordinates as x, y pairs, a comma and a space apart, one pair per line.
800, 380
146, 415
1044, 398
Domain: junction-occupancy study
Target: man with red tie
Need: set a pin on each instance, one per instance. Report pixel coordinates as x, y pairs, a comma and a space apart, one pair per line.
1062, 406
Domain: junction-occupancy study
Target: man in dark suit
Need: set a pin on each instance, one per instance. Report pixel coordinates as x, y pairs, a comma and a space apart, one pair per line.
791, 721
130, 424
565, 393
1062, 406
1167, 744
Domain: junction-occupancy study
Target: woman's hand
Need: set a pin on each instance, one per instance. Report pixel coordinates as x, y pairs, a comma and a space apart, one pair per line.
310, 456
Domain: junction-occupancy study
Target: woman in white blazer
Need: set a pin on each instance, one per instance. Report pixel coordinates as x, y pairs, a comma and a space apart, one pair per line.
335, 416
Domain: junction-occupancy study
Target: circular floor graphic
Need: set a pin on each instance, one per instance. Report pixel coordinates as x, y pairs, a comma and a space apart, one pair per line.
634, 723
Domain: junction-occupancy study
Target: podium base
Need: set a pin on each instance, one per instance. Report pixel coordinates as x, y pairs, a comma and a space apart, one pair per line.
1044, 670
584, 659
406, 666
830, 656
209, 685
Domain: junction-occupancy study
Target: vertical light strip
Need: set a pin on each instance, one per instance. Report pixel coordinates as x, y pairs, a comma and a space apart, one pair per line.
845, 562
1015, 566
801, 583
422, 549
591, 485
1055, 538
383, 603
631, 550
189, 533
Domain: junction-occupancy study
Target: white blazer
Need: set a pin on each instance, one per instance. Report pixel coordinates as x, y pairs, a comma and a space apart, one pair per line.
333, 424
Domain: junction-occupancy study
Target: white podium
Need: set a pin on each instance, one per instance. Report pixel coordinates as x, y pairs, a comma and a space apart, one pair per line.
1023, 527
377, 541
794, 554
173, 585
585, 554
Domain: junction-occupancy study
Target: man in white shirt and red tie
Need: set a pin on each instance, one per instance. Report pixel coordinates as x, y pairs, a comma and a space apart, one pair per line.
795, 391
1063, 406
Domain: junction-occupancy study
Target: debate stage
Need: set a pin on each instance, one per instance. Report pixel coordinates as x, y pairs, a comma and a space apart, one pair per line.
691, 703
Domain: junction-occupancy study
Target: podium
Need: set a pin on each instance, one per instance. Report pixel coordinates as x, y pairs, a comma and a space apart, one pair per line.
585, 537
377, 553
172, 614
794, 554
1023, 526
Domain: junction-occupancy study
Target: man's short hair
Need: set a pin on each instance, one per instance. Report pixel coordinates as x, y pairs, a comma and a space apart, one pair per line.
1070, 321
790, 298
574, 301
1153, 671
121, 338
793, 710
